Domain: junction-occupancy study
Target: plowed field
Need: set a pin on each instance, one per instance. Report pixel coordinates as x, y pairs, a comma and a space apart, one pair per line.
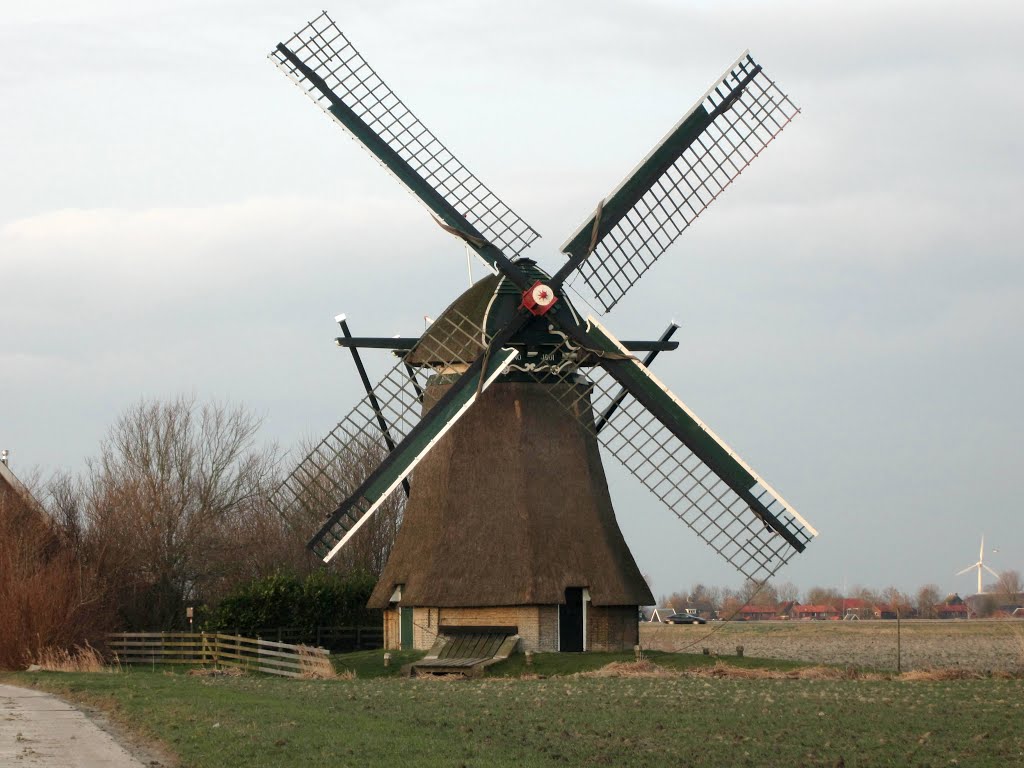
976, 645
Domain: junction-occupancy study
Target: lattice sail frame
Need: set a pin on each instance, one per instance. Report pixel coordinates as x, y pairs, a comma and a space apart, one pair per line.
673, 473
700, 174
324, 48
351, 451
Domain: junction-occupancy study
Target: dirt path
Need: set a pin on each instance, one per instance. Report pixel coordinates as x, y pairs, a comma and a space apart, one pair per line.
37, 729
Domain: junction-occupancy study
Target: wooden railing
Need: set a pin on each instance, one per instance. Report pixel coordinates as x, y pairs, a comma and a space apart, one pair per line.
217, 649
336, 639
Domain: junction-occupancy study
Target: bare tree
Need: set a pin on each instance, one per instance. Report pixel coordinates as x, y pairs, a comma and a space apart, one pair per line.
176, 503
928, 597
823, 596
370, 547
898, 600
788, 592
1008, 586
753, 593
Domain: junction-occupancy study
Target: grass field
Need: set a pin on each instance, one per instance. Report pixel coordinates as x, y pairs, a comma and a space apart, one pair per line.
685, 717
974, 645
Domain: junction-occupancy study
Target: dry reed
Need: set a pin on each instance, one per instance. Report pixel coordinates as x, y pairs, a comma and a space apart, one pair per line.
314, 665
81, 658
214, 672
642, 668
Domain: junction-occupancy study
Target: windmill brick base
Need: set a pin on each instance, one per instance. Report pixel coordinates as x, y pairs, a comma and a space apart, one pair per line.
612, 628
510, 524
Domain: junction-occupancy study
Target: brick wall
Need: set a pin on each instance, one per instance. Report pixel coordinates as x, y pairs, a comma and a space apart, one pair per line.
612, 627
609, 628
538, 624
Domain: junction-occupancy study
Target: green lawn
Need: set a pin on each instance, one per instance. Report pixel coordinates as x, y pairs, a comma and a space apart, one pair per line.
257, 721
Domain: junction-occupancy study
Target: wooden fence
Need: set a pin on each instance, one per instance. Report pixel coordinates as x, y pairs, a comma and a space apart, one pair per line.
252, 654
335, 639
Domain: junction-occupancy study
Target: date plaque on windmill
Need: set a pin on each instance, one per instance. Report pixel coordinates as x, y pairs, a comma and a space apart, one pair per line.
511, 392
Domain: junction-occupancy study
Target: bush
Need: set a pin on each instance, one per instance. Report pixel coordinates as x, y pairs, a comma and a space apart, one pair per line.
322, 599
49, 600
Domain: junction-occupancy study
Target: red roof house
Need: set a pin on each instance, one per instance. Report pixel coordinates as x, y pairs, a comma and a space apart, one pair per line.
758, 613
815, 612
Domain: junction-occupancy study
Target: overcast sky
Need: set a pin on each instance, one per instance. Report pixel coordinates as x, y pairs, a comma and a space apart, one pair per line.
175, 217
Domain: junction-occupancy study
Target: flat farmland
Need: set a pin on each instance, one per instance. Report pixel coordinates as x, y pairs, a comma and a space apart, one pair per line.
680, 719
976, 645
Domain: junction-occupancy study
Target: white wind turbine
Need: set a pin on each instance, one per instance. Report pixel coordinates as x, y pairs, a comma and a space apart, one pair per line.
980, 565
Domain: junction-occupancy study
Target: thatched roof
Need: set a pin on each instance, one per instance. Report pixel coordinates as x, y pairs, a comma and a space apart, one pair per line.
510, 508
10, 485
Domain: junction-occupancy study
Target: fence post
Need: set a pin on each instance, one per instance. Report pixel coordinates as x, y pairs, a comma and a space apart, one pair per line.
899, 650
359, 638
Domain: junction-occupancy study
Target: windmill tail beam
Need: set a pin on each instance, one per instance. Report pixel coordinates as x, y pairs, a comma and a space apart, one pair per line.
610, 411
385, 429
405, 343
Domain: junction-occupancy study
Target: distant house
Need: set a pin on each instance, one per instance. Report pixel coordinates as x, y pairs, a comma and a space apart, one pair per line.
889, 611
952, 610
702, 608
758, 613
785, 610
815, 612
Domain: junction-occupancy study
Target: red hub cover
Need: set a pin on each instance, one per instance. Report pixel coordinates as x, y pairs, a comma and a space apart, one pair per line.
538, 298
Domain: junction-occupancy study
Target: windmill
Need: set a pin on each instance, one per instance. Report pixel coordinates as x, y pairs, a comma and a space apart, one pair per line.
501, 404
980, 566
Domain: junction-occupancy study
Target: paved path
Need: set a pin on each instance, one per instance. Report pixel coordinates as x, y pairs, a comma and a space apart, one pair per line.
37, 729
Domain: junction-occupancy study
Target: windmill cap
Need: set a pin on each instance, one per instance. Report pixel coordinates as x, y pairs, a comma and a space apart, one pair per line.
489, 304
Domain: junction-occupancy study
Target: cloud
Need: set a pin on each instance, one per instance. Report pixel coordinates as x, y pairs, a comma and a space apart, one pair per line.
174, 217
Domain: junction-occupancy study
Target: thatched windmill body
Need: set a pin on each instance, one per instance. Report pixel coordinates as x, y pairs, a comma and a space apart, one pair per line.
500, 407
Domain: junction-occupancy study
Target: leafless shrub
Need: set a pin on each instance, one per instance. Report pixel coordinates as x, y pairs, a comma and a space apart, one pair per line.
49, 598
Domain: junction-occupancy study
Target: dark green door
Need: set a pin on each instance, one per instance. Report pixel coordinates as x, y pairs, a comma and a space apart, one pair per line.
405, 627
570, 621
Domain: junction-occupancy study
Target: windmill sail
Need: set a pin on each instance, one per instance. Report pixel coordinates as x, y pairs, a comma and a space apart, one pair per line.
658, 438
686, 465
363, 463
321, 61
720, 136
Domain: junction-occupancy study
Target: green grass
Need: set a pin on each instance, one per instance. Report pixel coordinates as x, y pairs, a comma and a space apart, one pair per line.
259, 721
